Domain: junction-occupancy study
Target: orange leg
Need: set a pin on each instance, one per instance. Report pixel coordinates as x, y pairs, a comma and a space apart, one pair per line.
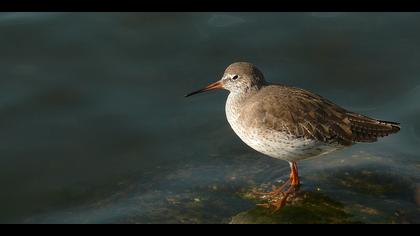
277, 198
294, 176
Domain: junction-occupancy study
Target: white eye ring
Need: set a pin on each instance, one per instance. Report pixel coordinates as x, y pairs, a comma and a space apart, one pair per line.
235, 77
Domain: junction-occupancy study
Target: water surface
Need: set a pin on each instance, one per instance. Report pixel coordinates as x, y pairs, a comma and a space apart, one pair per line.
95, 128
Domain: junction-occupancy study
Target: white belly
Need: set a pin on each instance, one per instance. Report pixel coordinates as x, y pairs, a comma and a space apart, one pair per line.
277, 144
281, 145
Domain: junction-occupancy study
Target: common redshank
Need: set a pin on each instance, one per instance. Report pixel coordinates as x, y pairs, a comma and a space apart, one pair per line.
290, 123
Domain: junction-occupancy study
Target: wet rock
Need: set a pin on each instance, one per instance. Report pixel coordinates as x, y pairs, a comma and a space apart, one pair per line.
304, 207
371, 182
404, 217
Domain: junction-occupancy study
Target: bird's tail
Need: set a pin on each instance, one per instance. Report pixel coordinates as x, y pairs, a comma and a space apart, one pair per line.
366, 129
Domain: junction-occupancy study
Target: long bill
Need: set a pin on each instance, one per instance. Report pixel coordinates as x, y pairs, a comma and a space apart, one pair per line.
216, 85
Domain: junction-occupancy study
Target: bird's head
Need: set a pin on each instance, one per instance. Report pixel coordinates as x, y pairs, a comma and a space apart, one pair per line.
239, 77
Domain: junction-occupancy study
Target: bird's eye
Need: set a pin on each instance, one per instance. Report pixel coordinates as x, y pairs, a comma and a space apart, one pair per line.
235, 77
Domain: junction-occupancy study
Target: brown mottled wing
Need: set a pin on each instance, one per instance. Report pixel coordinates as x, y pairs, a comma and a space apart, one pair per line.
304, 114
366, 129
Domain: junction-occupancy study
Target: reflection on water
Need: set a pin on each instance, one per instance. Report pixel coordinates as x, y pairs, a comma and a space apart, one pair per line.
95, 128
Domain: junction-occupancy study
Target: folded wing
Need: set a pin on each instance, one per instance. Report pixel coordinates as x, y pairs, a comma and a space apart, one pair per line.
301, 113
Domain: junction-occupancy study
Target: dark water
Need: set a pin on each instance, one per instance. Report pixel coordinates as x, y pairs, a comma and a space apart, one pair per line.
94, 127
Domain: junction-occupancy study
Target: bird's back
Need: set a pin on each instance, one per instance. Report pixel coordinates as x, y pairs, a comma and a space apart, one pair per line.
303, 114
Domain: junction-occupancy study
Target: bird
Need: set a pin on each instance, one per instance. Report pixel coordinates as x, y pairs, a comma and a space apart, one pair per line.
290, 123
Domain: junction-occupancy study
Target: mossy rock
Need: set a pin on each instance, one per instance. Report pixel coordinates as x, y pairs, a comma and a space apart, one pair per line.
369, 181
304, 208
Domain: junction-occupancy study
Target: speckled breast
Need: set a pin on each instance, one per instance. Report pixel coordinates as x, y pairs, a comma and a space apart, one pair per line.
273, 143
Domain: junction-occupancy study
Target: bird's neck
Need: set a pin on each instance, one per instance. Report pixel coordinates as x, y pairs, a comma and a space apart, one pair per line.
238, 97
235, 102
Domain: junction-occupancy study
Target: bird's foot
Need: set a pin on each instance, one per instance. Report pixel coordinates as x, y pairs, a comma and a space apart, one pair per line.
276, 202
277, 198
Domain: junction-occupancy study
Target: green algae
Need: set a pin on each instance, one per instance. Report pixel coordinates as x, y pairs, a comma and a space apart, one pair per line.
303, 208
